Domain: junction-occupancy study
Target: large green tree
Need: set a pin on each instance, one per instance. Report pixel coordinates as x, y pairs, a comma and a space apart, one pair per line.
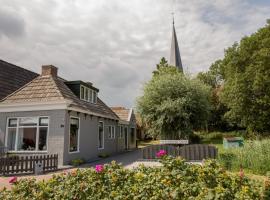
172, 104
214, 79
245, 70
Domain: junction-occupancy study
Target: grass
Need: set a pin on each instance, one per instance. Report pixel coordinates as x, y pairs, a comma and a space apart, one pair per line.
145, 143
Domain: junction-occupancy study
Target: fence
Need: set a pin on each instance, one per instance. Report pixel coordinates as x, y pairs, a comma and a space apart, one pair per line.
195, 152
26, 164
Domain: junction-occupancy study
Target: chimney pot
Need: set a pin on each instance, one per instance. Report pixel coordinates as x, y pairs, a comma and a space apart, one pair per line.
49, 70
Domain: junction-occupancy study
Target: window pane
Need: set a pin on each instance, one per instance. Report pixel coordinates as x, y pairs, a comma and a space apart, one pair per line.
75, 122
42, 141
12, 122
11, 138
86, 94
91, 96
73, 139
82, 92
43, 121
28, 121
110, 132
27, 139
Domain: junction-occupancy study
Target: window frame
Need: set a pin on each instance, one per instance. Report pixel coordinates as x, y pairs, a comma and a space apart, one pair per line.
89, 95
78, 142
102, 135
37, 134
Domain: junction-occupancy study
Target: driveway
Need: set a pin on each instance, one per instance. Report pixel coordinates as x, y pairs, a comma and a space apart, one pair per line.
127, 159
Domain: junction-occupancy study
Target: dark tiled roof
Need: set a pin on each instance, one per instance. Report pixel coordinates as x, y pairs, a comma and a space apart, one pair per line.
13, 77
121, 112
49, 88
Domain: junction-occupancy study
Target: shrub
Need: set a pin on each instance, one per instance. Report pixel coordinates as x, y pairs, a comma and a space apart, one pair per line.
254, 156
174, 180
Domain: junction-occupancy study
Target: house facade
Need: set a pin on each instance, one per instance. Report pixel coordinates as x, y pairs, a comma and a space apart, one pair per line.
127, 127
50, 115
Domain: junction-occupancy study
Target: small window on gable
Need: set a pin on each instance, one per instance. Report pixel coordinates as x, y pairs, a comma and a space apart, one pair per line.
82, 92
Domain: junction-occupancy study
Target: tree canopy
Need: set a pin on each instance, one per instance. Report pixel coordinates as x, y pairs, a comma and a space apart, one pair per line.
245, 75
172, 104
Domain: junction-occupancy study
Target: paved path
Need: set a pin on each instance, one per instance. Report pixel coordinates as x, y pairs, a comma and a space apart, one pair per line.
127, 159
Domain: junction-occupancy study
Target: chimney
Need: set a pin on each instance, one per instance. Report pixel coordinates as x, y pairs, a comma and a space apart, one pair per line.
49, 70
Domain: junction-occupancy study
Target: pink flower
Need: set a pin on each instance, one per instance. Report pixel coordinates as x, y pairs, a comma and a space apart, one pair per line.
161, 153
12, 180
99, 168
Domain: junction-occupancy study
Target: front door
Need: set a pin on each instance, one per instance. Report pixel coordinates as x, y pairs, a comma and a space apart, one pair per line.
126, 138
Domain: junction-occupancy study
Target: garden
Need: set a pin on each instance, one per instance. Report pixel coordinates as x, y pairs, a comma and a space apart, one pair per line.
174, 180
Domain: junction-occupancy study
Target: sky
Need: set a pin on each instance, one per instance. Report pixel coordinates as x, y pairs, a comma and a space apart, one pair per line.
116, 44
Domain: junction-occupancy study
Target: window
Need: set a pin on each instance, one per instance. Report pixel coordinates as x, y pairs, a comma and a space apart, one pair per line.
101, 135
27, 134
82, 92
88, 94
121, 131
74, 134
111, 132
91, 96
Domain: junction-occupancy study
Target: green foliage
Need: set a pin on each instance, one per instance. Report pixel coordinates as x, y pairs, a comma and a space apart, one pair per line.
173, 104
214, 79
254, 157
246, 73
174, 180
77, 162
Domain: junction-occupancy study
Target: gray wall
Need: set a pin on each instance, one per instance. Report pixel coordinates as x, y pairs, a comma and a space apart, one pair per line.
58, 136
55, 134
88, 140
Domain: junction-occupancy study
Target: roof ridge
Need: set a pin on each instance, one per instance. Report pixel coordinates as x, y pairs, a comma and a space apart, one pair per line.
18, 66
21, 88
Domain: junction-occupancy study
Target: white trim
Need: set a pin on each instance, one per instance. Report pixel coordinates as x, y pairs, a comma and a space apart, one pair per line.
78, 141
111, 136
34, 106
37, 134
90, 113
130, 114
102, 135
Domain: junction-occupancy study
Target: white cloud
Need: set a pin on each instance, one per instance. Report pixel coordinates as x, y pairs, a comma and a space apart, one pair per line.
116, 44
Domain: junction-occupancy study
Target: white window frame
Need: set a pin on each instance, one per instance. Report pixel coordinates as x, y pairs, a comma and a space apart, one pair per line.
78, 142
37, 134
102, 135
91, 98
111, 132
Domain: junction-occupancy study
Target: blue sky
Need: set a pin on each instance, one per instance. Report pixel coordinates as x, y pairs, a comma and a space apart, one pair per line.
116, 44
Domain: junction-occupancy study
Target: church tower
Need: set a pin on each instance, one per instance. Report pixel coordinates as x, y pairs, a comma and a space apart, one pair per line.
175, 58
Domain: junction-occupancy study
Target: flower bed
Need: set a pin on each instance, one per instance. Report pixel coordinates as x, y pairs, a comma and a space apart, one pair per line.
174, 180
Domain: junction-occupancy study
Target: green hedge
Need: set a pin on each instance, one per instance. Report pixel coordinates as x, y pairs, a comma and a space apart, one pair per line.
174, 180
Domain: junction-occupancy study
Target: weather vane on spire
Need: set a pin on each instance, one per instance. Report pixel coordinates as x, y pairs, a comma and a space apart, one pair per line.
173, 17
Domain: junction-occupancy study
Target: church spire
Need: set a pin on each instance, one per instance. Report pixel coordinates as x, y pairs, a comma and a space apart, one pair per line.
175, 59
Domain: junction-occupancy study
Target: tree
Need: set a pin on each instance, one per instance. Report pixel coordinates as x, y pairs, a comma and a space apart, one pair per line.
173, 105
246, 73
214, 79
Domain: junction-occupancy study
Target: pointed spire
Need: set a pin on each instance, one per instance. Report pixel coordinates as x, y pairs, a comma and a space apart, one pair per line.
175, 59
